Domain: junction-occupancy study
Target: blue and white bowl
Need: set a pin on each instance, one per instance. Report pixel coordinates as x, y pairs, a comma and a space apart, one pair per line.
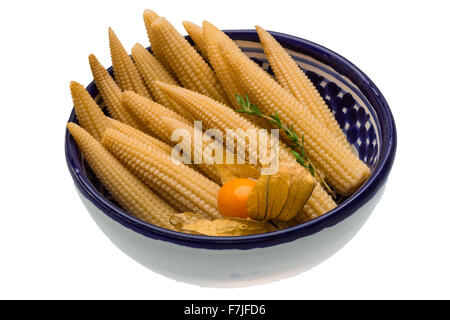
363, 114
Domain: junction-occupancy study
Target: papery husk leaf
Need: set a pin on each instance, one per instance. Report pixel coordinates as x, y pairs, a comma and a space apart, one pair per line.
192, 223
180, 219
282, 195
279, 185
233, 171
257, 199
302, 186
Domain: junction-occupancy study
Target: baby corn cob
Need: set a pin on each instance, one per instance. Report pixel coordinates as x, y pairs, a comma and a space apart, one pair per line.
128, 190
196, 34
111, 93
191, 70
155, 144
292, 78
209, 170
342, 168
216, 115
89, 114
125, 72
149, 17
92, 119
139, 135
188, 186
149, 113
213, 114
212, 35
151, 69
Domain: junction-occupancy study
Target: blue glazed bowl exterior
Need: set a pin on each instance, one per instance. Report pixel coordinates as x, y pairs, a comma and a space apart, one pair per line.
360, 109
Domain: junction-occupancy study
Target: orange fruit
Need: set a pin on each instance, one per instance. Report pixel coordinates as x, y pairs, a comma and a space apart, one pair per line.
233, 196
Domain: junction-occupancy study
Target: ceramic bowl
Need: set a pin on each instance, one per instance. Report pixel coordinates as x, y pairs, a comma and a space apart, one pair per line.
363, 114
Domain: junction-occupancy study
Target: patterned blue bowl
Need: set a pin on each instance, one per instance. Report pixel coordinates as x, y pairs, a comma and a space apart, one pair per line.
362, 113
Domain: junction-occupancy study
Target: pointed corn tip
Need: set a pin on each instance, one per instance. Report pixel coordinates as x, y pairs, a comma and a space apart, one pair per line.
188, 24
262, 33
137, 46
163, 85
93, 60
112, 34
207, 23
160, 21
71, 126
206, 26
210, 29
75, 86
94, 63
128, 96
76, 131
149, 17
128, 93
171, 123
77, 89
149, 12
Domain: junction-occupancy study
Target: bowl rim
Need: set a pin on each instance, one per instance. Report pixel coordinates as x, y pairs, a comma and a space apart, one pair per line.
388, 143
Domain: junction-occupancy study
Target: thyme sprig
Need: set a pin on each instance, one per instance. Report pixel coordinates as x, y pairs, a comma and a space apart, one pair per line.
295, 143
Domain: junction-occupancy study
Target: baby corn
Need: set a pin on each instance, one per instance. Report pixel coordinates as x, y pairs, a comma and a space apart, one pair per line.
155, 144
92, 119
216, 115
128, 190
292, 78
149, 16
188, 186
212, 35
196, 34
151, 69
89, 114
125, 72
342, 168
111, 93
139, 135
149, 113
191, 70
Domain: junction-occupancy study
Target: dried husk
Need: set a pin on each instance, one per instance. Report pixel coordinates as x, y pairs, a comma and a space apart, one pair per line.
282, 195
234, 170
193, 223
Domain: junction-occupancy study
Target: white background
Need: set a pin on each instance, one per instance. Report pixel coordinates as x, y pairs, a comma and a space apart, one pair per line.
50, 247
